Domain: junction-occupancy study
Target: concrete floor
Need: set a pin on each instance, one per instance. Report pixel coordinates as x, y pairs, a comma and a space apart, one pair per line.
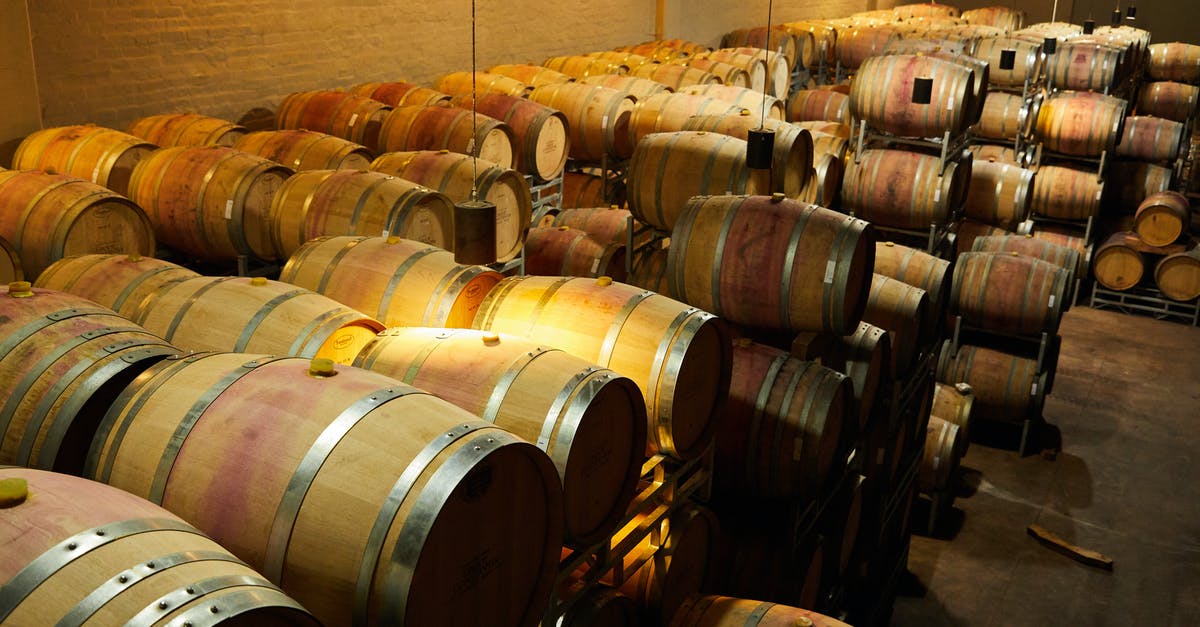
1126, 483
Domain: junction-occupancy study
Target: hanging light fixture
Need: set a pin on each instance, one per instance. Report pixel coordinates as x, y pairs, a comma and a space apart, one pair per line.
1116, 15
474, 219
760, 142
1089, 26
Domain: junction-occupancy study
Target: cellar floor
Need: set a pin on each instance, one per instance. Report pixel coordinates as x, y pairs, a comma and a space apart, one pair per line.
1125, 483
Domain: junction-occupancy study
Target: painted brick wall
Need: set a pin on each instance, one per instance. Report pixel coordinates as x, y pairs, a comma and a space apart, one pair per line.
109, 61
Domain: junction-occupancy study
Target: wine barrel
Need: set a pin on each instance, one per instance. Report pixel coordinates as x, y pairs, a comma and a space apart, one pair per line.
398, 281
1005, 18
81, 552
952, 403
47, 217
430, 485
721, 611
1080, 124
1148, 138
678, 567
590, 421
1061, 256
670, 112
1084, 66
458, 176
824, 184
397, 93
781, 429
540, 133
597, 118
856, 45
624, 59
1027, 63
1168, 99
865, 358
756, 66
64, 359
1066, 193
637, 88
882, 95
1064, 236
119, 282
779, 69
1128, 183
1174, 61
582, 190
918, 269
480, 83
992, 152
357, 202
828, 128
940, 456
676, 75
1178, 275
101, 155
437, 127
1008, 292
903, 311
749, 100
210, 202
809, 271
564, 251
10, 263
1162, 218
648, 269
534, 75
999, 193
306, 150
669, 168
795, 47
925, 10
680, 46
255, 314
1118, 265
978, 92
1005, 117
583, 66
356, 118
904, 189
678, 356
606, 225
791, 158
818, 105
186, 129
1006, 387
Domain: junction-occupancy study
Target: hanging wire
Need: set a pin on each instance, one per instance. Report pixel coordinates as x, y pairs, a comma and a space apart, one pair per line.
474, 126
762, 118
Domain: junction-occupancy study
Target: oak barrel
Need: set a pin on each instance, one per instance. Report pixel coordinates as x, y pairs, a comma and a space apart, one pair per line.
101, 155
1027, 63
940, 457
438, 127
377, 503
1173, 61
1084, 66
535, 75
818, 105
676, 74
315, 203
773, 263
903, 311
1168, 99
1006, 387
597, 118
791, 158
1149, 138
119, 282
589, 420
306, 150
480, 83
1062, 256
186, 129
565, 251
953, 403
1008, 292
722, 611
882, 95
1066, 193
919, 269
865, 358
637, 88
209, 202
64, 359
352, 117
400, 282
679, 356
1178, 275
47, 217
904, 189
1118, 264
999, 193
606, 225
540, 140
396, 93
458, 176
1080, 124
670, 112
79, 552
781, 428
748, 99
1005, 116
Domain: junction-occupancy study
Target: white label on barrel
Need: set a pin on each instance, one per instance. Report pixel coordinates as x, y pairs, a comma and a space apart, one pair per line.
229, 209
353, 119
1033, 389
937, 194
595, 264
1098, 192
384, 234
96, 174
1051, 301
604, 121
937, 460
829, 267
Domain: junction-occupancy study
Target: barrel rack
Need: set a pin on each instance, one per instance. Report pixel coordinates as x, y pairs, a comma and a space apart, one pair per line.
547, 195
1147, 300
667, 485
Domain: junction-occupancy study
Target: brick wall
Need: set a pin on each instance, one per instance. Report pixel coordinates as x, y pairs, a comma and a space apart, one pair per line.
19, 113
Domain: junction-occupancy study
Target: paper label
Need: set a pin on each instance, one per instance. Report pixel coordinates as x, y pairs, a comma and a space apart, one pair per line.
595, 264
384, 234
829, 267
1033, 389
1051, 301
229, 209
937, 194
604, 121
353, 119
